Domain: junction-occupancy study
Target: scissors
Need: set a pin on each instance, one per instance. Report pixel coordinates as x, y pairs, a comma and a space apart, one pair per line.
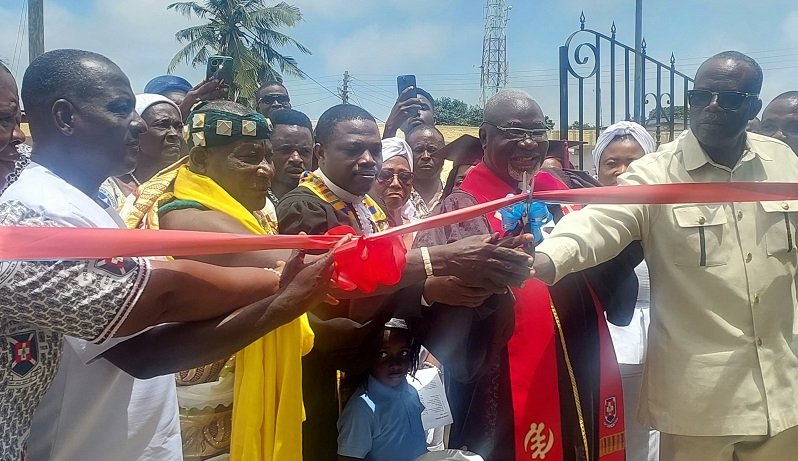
527, 187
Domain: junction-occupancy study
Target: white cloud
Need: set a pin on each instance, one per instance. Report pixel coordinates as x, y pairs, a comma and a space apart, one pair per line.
337, 10
138, 36
385, 50
790, 28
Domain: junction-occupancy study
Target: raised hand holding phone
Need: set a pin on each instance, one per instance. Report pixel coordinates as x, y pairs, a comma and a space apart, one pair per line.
407, 105
403, 83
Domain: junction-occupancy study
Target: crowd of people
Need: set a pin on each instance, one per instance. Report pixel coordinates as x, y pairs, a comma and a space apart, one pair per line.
595, 333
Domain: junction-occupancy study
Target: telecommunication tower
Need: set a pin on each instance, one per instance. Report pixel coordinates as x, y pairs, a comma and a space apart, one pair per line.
494, 48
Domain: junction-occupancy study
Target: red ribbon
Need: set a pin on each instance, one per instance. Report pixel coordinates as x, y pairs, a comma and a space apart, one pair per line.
385, 259
650, 194
53, 243
383, 251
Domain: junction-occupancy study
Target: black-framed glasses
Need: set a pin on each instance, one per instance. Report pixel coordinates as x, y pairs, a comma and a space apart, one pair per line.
273, 98
518, 134
386, 177
727, 100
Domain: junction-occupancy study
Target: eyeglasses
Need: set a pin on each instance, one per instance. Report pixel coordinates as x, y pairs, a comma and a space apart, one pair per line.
272, 98
727, 100
518, 134
386, 177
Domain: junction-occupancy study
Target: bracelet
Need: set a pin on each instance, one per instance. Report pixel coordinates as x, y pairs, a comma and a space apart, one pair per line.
427, 261
279, 274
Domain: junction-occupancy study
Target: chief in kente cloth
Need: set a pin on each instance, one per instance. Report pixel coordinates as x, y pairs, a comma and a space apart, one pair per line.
349, 152
553, 390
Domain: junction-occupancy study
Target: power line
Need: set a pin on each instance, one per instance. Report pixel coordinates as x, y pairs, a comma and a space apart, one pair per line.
309, 94
373, 102
303, 84
376, 94
369, 84
311, 102
317, 83
24, 32
373, 98
20, 37
357, 98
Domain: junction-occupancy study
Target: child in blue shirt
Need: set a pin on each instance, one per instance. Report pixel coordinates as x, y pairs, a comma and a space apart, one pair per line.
382, 420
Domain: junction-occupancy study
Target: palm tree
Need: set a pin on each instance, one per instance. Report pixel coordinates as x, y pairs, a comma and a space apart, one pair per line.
246, 30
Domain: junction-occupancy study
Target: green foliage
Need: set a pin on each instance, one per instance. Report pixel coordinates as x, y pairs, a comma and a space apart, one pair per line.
665, 113
450, 111
247, 31
575, 126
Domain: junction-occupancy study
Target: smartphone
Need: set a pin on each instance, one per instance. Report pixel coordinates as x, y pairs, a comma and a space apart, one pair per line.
405, 81
220, 67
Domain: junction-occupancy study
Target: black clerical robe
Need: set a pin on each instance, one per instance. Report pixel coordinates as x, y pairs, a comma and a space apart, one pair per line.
482, 403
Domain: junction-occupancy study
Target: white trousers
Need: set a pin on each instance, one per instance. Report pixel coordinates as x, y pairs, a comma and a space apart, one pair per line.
642, 443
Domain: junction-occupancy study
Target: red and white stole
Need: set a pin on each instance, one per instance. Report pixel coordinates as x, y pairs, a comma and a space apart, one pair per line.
533, 355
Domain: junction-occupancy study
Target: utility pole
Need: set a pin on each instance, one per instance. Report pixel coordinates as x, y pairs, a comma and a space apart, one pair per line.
494, 49
35, 29
343, 91
638, 96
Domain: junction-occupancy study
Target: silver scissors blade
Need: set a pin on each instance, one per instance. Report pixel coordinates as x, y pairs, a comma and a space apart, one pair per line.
529, 185
528, 180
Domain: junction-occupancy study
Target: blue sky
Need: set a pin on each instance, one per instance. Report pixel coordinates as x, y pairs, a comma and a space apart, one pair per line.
438, 40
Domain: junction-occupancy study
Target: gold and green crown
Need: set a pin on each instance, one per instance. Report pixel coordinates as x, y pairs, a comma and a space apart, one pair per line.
213, 127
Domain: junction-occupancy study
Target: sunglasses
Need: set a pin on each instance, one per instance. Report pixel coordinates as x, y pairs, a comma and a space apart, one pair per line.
273, 98
518, 134
386, 177
727, 100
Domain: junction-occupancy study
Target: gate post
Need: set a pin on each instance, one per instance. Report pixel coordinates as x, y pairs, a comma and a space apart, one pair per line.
564, 92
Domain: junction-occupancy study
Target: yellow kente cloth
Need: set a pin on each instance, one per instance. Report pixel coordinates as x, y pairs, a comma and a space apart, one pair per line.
267, 402
154, 193
316, 185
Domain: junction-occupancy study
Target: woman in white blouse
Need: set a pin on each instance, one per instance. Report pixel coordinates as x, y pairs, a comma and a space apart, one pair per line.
618, 146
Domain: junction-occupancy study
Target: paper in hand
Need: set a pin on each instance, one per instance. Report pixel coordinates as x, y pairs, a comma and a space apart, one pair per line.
433, 397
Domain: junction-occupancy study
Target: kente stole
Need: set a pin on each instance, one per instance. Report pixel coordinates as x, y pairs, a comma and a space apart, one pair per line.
316, 185
153, 194
533, 360
267, 400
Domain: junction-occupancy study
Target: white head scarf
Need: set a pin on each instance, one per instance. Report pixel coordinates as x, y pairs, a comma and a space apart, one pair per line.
394, 147
623, 128
145, 100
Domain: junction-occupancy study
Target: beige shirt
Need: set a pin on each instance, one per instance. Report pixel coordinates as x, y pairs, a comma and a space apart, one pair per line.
723, 344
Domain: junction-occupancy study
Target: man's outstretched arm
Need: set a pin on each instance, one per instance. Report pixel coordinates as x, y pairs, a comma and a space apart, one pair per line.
189, 291
180, 346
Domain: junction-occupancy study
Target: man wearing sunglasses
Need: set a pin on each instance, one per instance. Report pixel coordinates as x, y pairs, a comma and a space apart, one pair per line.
780, 119
272, 95
722, 366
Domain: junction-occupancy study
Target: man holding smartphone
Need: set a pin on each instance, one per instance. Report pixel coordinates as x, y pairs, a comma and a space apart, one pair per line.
414, 107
